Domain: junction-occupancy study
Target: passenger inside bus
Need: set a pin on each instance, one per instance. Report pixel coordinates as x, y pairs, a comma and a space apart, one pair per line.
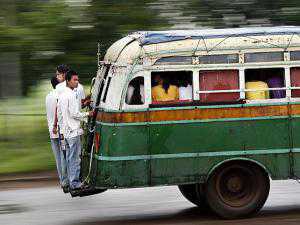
172, 87
261, 79
163, 90
135, 92
257, 85
186, 88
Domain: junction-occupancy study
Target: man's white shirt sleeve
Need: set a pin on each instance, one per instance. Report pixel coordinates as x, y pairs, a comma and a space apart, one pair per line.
74, 109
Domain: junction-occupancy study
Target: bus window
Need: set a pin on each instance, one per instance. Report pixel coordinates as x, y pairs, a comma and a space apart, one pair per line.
295, 56
135, 92
174, 60
219, 80
218, 59
295, 81
261, 80
171, 87
263, 57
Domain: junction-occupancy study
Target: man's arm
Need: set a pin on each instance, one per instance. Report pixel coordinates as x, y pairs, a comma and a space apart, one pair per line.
59, 118
74, 109
54, 130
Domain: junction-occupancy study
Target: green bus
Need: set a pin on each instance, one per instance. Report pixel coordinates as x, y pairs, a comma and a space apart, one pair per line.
221, 139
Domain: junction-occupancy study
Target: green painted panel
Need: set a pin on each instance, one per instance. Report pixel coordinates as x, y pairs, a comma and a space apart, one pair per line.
295, 125
214, 137
195, 137
124, 141
193, 170
266, 134
219, 136
173, 171
170, 154
120, 174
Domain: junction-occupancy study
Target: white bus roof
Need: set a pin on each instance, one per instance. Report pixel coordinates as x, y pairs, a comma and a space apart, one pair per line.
157, 44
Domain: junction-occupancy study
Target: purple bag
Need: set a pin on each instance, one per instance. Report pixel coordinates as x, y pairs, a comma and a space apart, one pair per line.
276, 82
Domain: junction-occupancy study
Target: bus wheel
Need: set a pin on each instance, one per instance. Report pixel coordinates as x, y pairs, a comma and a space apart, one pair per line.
237, 190
194, 193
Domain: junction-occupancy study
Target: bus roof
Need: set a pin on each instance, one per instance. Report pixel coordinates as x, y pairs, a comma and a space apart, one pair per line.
155, 37
157, 44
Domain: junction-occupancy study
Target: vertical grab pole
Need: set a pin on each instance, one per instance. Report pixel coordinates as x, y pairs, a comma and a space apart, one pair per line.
92, 130
99, 54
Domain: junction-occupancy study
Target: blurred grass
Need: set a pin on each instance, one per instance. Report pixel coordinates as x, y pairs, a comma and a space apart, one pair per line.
25, 144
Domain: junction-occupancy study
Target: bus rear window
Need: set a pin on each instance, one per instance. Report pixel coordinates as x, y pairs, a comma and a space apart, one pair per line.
222, 80
99, 85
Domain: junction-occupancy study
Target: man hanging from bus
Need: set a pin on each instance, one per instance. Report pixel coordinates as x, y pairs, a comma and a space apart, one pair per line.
69, 111
51, 104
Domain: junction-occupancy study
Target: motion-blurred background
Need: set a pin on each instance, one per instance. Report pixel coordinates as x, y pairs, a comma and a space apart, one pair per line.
37, 35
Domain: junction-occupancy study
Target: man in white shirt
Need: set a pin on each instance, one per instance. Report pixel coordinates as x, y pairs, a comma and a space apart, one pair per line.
70, 117
51, 104
61, 72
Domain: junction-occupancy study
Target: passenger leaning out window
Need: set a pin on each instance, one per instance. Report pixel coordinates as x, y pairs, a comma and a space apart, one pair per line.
163, 90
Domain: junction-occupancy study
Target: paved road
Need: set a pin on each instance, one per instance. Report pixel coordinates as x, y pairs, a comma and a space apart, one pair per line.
162, 205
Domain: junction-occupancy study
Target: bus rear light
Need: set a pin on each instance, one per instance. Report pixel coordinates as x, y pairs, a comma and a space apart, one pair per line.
97, 142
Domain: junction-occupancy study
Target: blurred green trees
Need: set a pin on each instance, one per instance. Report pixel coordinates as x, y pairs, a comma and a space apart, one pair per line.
40, 34
47, 33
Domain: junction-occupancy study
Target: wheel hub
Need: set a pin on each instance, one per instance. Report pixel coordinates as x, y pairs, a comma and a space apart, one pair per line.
235, 184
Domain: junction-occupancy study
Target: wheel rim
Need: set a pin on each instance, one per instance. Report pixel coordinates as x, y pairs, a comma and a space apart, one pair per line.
236, 186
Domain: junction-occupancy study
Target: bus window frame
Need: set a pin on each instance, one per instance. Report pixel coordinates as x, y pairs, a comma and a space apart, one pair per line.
214, 69
296, 99
178, 103
242, 83
147, 81
275, 100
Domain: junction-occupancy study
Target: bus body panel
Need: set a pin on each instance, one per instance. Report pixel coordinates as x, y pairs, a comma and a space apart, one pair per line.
148, 152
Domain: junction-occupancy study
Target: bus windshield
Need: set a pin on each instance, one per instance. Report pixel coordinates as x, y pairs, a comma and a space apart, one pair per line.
99, 85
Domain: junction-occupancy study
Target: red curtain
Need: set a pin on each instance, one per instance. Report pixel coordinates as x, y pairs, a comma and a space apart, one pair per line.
219, 80
295, 81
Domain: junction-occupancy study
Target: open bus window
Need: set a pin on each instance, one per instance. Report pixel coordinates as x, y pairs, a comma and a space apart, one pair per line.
172, 87
135, 92
295, 81
261, 80
219, 80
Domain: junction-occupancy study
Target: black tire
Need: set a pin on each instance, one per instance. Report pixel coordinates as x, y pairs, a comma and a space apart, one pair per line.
237, 190
194, 193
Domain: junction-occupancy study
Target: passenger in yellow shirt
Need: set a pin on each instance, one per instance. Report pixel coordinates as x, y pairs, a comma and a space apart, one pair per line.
163, 91
254, 95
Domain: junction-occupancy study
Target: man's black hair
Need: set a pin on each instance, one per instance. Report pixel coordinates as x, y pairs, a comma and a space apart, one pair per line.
54, 82
70, 74
62, 68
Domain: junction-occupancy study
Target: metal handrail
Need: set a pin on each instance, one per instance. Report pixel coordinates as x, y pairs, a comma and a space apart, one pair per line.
246, 90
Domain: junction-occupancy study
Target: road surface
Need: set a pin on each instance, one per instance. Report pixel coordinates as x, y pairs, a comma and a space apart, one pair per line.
159, 205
